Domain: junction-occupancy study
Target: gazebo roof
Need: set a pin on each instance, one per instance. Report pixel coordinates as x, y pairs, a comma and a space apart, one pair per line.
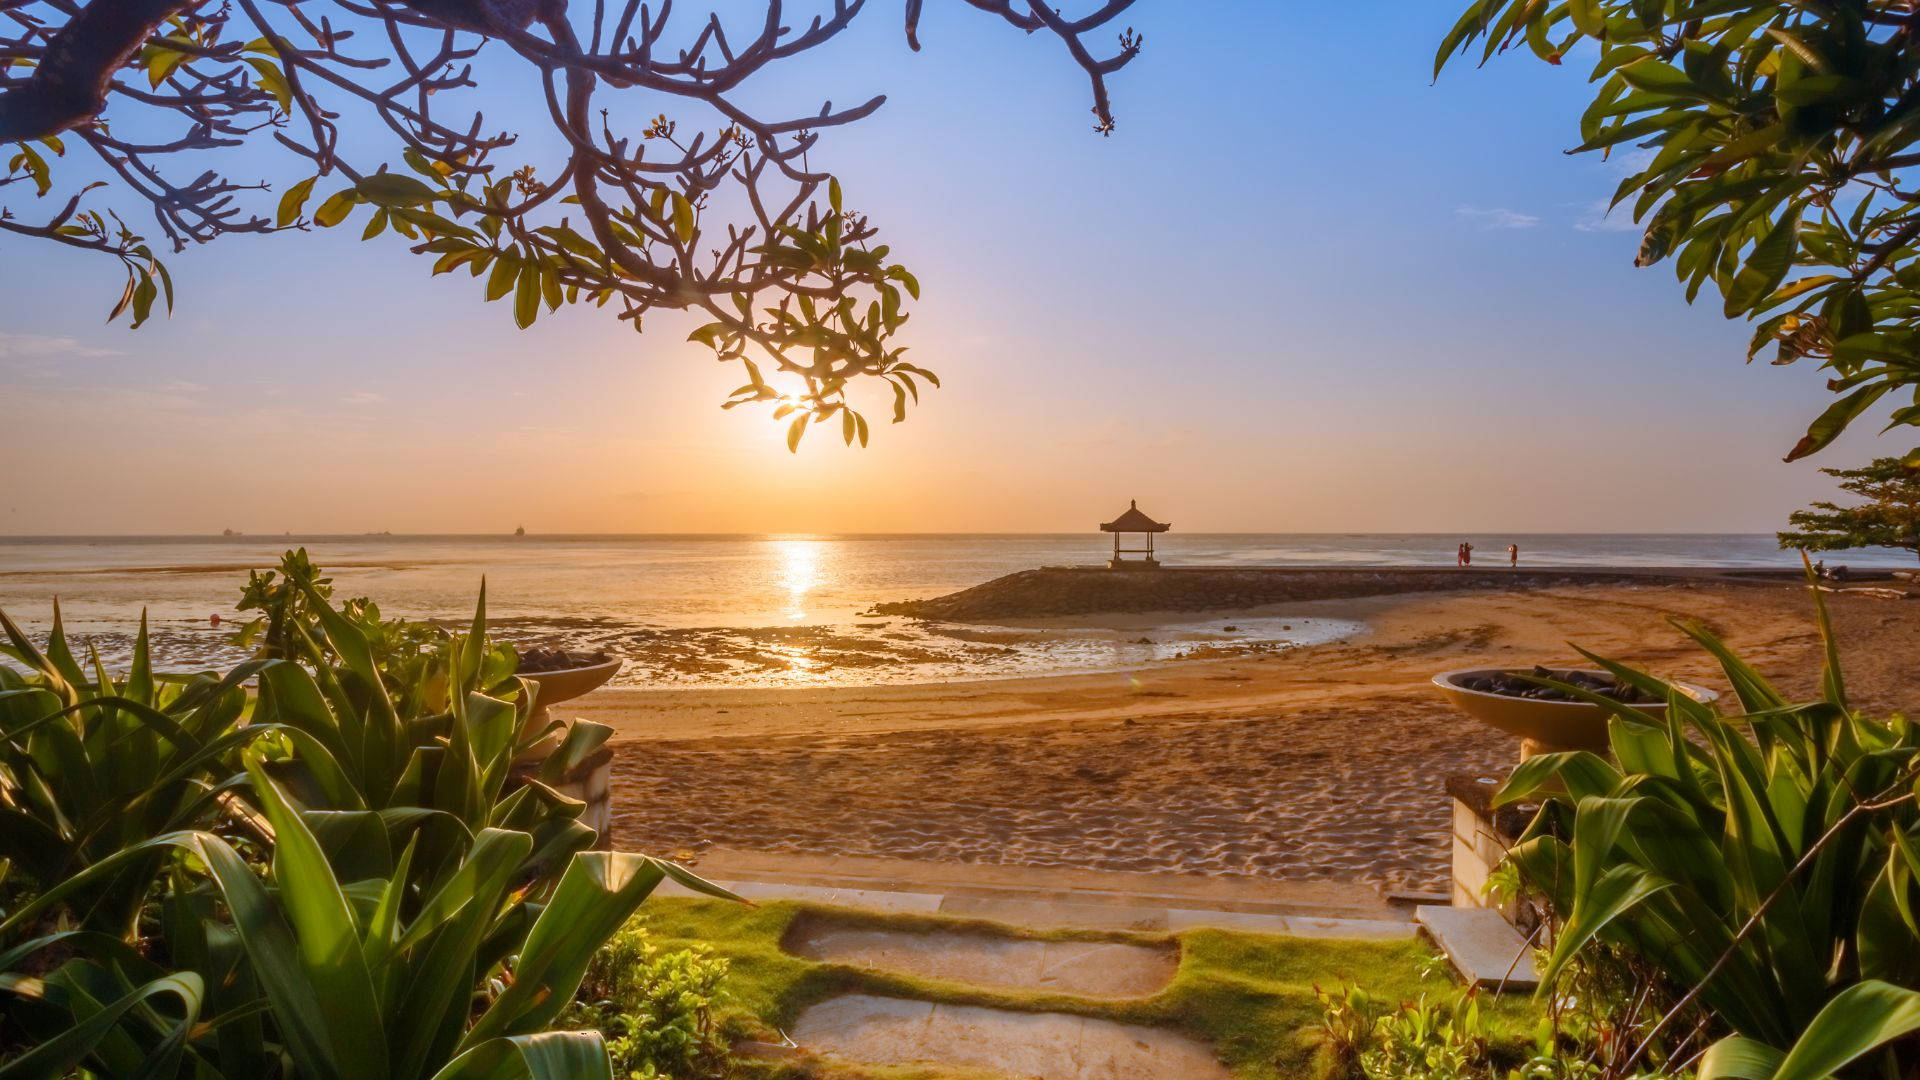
1135, 521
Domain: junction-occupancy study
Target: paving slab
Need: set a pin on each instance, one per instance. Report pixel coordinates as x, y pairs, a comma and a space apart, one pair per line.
1055, 914
1245, 922
1482, 946
1218, 892
1045, 1046
1350, 929
1080, 908
867, 899
1084, 968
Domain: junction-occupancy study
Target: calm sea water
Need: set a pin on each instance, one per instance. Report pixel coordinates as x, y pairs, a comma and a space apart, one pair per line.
747, 610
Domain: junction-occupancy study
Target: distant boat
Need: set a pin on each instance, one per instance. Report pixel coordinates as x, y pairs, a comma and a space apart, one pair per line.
521, 531
230, 532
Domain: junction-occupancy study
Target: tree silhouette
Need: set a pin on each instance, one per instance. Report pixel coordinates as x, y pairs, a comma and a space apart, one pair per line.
668, 191
1889, 516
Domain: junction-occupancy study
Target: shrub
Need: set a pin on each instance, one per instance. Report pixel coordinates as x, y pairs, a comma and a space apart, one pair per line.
655, 1008
1444, 1039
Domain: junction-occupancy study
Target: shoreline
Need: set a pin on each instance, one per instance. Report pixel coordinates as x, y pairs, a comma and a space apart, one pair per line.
1397, 624
1326, 762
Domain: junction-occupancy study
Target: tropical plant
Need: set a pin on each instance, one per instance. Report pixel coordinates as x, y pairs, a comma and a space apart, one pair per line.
1761, 864
1422, 1039
655, 1008
280, 596
1890, 516
1779, 155
362, 978
1444, 1038
409, 654
90, 766
716, 205
310, 879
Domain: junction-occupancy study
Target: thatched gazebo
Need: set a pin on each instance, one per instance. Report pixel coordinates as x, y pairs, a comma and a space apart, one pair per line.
1133, 521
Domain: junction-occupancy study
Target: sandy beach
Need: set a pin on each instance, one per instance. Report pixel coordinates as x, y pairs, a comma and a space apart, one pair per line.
1324, 762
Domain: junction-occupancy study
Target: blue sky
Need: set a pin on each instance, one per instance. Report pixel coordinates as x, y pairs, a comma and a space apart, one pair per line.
1302, 287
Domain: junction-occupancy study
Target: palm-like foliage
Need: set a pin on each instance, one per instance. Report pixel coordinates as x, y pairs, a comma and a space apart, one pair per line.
309, 867
89, 766
1763, 862
367, 978
439, 756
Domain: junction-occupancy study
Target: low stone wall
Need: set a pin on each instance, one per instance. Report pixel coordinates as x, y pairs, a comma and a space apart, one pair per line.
1059, 590
1481, 837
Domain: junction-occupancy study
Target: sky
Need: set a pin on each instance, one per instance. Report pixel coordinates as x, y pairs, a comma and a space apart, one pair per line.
1302, 287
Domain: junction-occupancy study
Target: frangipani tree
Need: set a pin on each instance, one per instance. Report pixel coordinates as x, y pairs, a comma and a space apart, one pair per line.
710, 206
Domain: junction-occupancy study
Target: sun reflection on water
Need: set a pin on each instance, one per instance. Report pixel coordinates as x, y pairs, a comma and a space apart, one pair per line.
799, 572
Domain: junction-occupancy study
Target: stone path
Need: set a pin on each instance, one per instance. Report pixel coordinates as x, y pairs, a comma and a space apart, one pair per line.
1483, 947
1084, 968
880, 1030
1047, 1046
1049, 898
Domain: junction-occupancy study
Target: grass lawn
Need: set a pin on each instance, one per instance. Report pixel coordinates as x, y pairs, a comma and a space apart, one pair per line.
1249, 995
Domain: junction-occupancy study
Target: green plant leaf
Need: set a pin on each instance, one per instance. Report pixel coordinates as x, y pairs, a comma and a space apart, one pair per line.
335, 210
327, 941
549, 1055
596, 894
1860, 1019
293, 201
526, 296
395, 189
66, 1050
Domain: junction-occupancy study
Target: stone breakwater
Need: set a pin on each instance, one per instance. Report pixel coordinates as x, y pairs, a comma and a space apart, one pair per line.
1056, 591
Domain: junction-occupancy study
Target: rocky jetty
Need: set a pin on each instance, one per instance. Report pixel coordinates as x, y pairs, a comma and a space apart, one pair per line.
1059, 590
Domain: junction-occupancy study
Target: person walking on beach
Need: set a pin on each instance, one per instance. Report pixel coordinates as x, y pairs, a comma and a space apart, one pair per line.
1466, 554
1460, 554
1513, 556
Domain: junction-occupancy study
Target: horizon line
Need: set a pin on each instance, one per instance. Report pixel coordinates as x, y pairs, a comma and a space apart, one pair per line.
801, 533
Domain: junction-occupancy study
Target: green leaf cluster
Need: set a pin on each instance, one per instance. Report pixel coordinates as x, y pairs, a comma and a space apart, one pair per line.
1775, 147
1763, 864
1888, 514
822, 318
656, 1007
312, 865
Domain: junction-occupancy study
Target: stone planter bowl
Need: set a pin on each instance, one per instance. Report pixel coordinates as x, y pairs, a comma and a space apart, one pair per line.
554, 688
569, 683
1545, 726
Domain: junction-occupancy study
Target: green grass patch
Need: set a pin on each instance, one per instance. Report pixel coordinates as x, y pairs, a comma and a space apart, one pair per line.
1251, 996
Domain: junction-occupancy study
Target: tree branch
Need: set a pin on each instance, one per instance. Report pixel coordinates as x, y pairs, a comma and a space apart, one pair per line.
69, 87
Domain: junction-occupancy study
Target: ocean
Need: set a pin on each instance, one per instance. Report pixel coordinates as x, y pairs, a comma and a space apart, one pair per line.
776, 610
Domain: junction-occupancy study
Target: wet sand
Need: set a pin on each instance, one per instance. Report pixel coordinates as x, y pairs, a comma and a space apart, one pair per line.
1324, 762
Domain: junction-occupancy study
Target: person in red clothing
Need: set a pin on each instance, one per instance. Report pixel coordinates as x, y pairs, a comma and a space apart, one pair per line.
1466, 554
1513, 556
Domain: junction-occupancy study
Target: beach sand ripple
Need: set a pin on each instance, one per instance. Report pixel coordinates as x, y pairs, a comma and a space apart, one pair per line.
1326, 762
1302, 796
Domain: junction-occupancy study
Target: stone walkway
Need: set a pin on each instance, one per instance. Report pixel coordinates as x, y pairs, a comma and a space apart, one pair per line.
1049, 1046
1050, 898
1102, 969
878, 1030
